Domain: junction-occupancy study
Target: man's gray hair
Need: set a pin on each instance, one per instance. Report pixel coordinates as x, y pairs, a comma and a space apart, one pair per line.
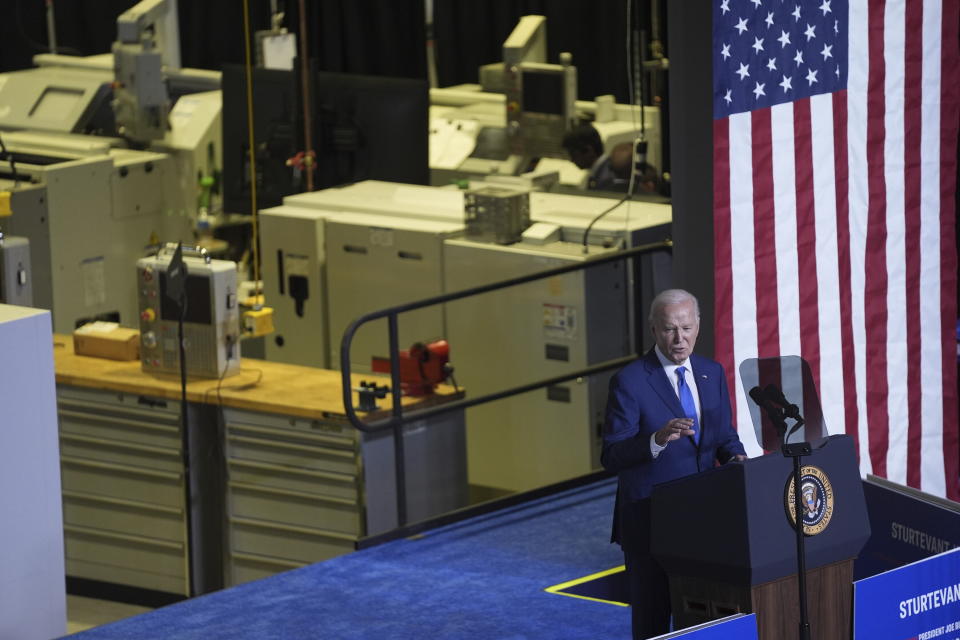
671, 296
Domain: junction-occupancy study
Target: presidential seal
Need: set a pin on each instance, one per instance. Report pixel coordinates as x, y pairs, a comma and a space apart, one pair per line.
816, 500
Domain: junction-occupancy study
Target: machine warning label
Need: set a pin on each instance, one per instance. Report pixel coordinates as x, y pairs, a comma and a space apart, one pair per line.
559, 321
94, 276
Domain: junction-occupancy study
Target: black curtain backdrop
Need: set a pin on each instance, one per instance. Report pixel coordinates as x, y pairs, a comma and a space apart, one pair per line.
470, 33
352, 36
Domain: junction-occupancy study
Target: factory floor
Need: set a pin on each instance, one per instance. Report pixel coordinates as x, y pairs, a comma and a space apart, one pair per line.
87, 613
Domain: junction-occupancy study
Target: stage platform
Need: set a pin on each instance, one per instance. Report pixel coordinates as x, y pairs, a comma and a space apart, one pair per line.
486, 577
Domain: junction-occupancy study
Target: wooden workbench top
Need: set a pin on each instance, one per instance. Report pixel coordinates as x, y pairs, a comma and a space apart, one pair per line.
270, 387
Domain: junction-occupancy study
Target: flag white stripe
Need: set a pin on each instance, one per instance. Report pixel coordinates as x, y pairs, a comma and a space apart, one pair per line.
742, 268
933, 477
785, 226
857, 75
828, 268
897, 405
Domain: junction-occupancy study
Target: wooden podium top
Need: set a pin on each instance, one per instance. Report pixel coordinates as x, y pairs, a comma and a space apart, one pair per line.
270, 387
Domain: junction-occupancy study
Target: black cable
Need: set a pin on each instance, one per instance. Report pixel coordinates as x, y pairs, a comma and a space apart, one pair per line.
586, 233
633, 156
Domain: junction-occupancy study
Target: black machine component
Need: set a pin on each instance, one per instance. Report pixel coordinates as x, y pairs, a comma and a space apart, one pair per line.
277, 132
365, 127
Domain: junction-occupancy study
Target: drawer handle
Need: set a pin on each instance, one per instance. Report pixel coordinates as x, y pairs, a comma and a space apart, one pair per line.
171, 415
116, 444
276, 562
263, 466
290, 493
120, 422
119, 502
292, 447
120, 468
282, 433
123, 537
289, 528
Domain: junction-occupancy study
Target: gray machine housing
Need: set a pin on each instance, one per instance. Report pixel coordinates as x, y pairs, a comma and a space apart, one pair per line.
211, 328
15, 283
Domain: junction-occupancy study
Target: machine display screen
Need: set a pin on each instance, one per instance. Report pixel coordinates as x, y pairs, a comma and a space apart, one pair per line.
54, 102
199, 304
543, 92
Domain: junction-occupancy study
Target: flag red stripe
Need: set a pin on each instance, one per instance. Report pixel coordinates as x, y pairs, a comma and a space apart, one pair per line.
806, 238
841, 179
949, 105
764, 236
723, 274
875, 280
913, 126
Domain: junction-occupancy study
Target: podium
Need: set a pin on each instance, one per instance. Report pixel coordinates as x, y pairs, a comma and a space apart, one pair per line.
725, 539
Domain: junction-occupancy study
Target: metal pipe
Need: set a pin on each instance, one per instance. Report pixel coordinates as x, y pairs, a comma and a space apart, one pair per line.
51, 27
305, 94
400, 460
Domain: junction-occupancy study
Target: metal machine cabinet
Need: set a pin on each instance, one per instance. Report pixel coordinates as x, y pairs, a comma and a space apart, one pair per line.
91, 216
553, 326
123, 493
374, 262
301, 490
294, 281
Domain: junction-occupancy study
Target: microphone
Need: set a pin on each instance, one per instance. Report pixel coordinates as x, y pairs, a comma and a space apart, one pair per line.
773, 412
760, 397
775, 394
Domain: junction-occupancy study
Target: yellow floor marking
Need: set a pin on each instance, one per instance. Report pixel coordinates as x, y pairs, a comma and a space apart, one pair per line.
558, 588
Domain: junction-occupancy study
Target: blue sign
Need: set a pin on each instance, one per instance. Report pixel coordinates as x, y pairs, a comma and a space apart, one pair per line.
906, 525
737, 627
915, 602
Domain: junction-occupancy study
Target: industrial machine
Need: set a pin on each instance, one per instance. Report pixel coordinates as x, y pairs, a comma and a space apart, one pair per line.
207, 307
333, 255
87, 203
520, 110
525, 333
294, 241
89, 211
377, 261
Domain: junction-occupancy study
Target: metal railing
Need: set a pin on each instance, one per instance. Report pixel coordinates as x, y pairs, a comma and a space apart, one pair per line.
398, 419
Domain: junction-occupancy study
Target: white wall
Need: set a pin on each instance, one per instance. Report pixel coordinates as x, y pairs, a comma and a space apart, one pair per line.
32, 589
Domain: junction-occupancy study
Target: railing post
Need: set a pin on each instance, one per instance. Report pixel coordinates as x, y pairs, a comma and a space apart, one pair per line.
400, 460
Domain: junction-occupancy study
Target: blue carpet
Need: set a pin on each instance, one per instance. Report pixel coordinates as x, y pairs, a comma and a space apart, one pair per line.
481, 578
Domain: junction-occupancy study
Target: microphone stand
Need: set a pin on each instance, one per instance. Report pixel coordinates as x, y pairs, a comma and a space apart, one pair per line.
796, 451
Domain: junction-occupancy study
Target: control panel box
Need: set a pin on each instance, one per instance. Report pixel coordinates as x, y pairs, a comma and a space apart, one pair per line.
495, 214
210, 318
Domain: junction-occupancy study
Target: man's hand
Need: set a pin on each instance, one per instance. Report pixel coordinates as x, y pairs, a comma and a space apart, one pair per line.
674, 430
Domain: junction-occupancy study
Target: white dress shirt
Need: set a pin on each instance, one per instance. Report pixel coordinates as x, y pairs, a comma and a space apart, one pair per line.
670, 368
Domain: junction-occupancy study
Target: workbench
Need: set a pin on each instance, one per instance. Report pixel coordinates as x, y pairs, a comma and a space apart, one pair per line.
278, 477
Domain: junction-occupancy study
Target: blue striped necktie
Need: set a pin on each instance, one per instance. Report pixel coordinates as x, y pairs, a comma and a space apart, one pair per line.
686, 401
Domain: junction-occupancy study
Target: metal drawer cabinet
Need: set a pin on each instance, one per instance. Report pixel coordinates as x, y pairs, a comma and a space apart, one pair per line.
123, 489
294, 493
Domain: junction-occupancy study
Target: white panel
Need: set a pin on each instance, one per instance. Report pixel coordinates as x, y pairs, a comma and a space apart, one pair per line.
32, 590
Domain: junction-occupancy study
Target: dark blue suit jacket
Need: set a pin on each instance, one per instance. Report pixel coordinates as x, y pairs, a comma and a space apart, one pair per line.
641, 401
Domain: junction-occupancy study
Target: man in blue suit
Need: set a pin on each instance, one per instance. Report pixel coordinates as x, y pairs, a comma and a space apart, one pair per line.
668, 416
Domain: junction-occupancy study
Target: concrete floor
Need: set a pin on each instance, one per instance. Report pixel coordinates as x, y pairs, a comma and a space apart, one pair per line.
86, 613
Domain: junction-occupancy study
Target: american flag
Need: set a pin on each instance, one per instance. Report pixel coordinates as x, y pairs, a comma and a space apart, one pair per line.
835, 148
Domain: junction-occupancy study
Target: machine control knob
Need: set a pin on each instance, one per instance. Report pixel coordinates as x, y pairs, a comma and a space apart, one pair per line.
149, 339
148, 315
148, 274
